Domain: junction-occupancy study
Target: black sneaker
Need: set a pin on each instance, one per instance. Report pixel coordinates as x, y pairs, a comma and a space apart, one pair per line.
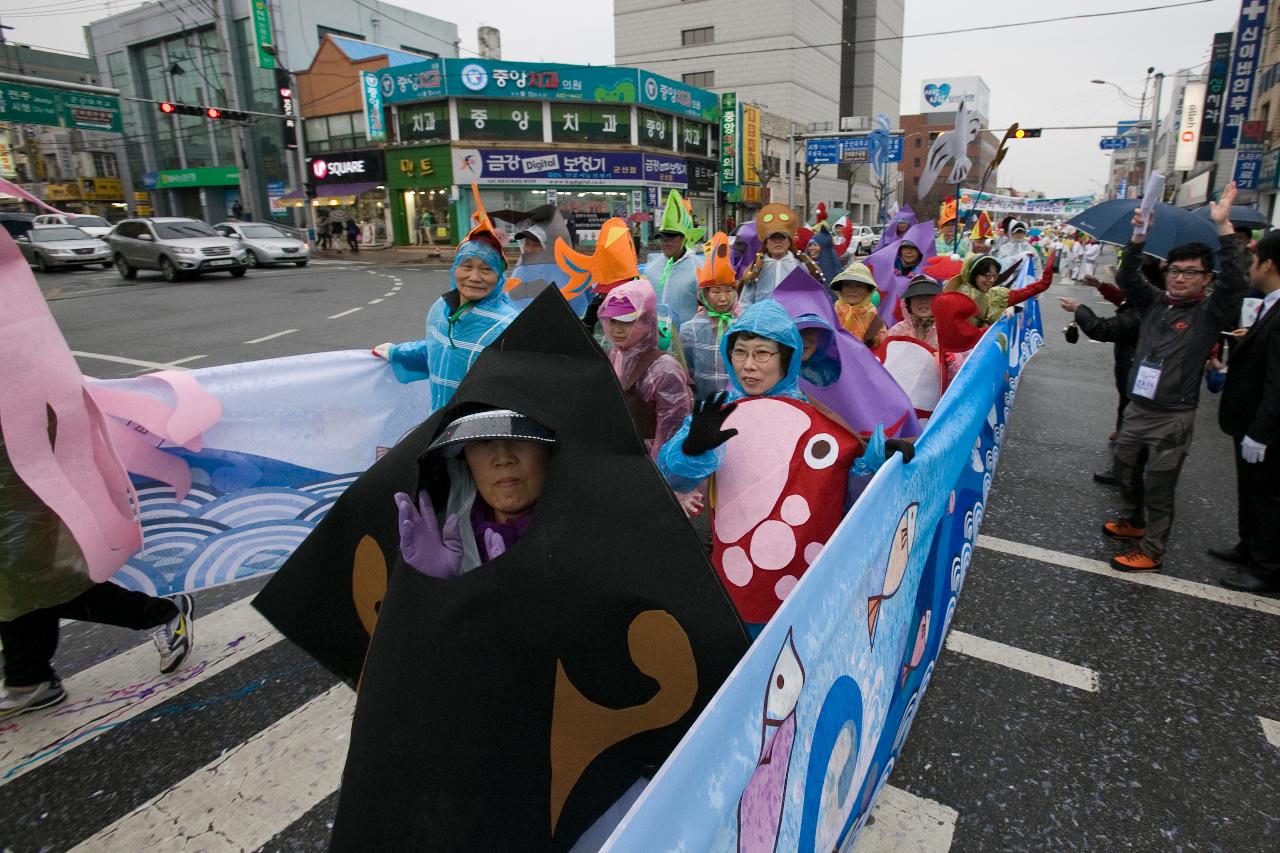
1106, 478
175, 638
45, 695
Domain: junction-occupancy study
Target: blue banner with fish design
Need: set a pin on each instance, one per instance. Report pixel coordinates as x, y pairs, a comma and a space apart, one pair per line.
797, 744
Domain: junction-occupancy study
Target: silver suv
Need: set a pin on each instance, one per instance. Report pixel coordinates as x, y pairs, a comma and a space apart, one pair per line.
177, 247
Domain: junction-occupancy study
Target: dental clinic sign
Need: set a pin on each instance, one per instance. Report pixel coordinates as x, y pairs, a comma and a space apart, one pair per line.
1244, 67
347, 168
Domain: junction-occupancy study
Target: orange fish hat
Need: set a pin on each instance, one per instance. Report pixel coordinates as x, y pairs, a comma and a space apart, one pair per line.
718, 267
776, 218
612, 263
947, 212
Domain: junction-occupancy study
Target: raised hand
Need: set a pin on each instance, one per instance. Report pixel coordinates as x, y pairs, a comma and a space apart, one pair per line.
434, 552
1220, 210
705, 427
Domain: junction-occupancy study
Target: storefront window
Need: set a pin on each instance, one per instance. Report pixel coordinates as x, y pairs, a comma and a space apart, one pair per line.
517, 120
587, 208
693, 136
582, 123
655, 128
425, 123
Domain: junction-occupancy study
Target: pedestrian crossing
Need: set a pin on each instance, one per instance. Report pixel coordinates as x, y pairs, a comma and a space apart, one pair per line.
264, 775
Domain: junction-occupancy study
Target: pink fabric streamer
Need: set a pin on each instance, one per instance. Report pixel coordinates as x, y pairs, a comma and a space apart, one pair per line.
79, 476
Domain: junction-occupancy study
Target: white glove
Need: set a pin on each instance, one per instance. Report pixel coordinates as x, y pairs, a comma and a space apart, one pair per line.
1251, 451
381, 350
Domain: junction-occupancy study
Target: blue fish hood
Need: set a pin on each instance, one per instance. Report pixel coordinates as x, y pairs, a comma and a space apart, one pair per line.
768, 319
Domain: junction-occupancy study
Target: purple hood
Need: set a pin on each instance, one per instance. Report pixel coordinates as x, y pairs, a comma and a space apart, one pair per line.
855, 384
890, 283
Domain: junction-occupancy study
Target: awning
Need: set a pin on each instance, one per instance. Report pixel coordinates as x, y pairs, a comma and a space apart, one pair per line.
333, 191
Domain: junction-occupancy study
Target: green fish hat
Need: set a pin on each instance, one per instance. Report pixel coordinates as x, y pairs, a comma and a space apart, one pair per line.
676, 217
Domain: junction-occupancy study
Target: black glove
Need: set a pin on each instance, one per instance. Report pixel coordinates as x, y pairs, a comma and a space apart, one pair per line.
1071, 333
901, 445
705, 431
592, 314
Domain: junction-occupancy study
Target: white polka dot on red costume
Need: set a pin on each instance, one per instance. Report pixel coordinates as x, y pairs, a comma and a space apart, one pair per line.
737, 566
811, 552
784, 586
795, 510
773, 545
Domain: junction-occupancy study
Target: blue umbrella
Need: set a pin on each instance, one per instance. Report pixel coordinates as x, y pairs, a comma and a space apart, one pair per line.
1112, 222
1242, 216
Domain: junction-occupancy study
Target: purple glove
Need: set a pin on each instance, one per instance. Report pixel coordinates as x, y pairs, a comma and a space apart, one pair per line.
435, 553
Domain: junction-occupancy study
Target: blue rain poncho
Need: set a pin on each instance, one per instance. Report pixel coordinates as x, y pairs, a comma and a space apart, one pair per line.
456, 333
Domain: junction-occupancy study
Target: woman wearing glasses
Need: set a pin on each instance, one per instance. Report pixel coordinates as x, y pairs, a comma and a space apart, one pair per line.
781, 466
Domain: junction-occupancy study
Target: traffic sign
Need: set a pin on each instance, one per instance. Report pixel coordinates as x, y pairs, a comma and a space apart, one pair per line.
854, 149
1113, 143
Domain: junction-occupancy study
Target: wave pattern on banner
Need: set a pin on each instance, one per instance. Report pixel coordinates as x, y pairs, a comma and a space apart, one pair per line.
802, 737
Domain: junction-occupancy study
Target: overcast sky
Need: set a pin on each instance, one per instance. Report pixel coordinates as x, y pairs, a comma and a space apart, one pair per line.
1039, 75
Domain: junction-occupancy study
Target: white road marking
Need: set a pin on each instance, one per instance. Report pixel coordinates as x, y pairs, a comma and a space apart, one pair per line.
905, 823
114, 692
251, 792
272, 335
345, 313
185, 360
150, 365
1206, 591
385, 295
1271, 731
375, 301
1022, 660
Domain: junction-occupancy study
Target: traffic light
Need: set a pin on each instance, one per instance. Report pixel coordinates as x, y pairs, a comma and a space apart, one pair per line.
1027, 133
170, 108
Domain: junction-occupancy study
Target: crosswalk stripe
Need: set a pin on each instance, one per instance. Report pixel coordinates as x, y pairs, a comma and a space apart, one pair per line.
904, 823
1271, 731
1053, 669
250, 793
1206, 591
114, 692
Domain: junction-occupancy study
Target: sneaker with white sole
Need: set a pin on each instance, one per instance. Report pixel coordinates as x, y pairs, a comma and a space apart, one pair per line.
45, 695
175, 638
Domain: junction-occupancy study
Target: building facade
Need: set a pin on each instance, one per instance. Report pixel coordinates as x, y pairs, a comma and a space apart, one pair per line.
597, 141
785, 62
219, 53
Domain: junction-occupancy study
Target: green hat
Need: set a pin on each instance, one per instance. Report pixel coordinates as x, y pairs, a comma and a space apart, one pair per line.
677, 219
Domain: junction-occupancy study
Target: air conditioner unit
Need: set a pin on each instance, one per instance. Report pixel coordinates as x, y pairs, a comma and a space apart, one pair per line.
855, 123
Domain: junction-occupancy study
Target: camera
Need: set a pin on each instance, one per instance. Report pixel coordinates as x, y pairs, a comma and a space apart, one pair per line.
1071, 333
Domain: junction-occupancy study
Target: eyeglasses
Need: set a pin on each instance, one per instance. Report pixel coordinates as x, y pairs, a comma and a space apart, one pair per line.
1184, 272
759, 356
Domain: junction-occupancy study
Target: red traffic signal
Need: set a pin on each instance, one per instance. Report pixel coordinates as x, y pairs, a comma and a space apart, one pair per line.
166, 107
213, 112
170, 108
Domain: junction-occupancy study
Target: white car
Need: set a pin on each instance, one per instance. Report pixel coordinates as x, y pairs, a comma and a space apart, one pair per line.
94, 226
863, 240
266, 244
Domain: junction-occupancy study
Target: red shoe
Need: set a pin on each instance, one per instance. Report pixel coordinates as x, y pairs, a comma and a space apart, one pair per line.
1135, 561
1123, 528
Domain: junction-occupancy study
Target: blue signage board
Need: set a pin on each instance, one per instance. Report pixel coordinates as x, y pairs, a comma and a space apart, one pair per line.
560, 168
375, 120
1113, 143
418, 81
666, 94
1244, 66
840, 149
495, 78
1249, 157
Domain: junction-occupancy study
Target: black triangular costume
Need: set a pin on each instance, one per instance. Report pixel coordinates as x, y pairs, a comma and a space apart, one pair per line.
508, 708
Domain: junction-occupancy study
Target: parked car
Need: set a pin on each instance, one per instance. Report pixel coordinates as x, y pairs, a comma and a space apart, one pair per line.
54, 247
863, 240
265, 243
16, 222
175, 246
95, 226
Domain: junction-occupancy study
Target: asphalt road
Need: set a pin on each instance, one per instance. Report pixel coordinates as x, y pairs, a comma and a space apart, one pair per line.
1074, 709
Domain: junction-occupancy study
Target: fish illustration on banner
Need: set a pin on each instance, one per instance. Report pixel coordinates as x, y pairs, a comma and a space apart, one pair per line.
950, 148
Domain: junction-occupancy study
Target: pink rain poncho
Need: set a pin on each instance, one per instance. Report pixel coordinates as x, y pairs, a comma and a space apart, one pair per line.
654, 383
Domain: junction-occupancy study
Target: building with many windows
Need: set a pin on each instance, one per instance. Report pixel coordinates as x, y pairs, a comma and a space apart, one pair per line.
219, 53
786, 62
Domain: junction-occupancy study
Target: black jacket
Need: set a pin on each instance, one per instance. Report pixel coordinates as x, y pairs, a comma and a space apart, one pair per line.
1251, 401
1179, 338
1121, 330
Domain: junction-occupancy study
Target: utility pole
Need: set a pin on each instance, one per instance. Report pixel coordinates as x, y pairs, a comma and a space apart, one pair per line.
222, 17
1155, 128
